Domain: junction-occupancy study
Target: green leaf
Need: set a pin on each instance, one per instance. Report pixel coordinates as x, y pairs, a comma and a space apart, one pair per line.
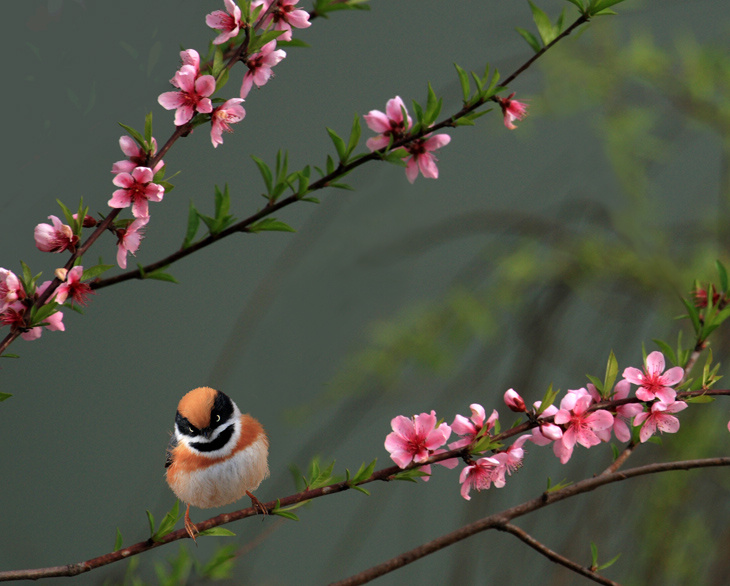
355, 133
579, 4
151, 521
611, 374
217, 532
168, 522
265, 173
723, 276
133, 133
598, 383
270, 224
599, 6
4, 396
544, 27
560, 485
693, 316
465, 85
339, 145
364, 472
193, 223
118, 541
286, 512
433, 107
699, 399
608, 563
95, 271
409, 475
667, 350
594, 555
160, 275
148, 131
531, 39
66, 212
547, 399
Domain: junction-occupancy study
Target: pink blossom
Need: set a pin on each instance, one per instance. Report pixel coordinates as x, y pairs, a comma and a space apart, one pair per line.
11, 289
546, 432
390, 124
195, 90
73, 287
137, 157
259, 67
469, 428
624, 413
223, 116
510, 459
652, 383
513, 400
229, 23
659, 418
421, 158
581, 425
284, 15
512, 110
137, 190
415, 439
54, 323
129, 239
55, 238
479, 476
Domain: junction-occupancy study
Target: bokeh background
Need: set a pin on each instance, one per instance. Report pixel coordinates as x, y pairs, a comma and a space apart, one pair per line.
535, 253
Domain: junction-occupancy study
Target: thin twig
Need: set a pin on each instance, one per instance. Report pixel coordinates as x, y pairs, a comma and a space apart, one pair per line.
554, 556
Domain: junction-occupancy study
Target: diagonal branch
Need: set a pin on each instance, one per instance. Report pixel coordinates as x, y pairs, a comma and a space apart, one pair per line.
554, 556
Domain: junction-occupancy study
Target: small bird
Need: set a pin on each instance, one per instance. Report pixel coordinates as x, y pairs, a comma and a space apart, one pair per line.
216, 454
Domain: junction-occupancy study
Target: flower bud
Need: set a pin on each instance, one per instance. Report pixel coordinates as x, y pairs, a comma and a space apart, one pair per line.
513, 400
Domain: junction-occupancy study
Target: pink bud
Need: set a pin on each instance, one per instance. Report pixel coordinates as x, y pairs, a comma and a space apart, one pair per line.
513, 400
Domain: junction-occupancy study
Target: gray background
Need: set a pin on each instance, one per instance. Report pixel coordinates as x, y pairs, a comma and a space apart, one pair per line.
82, 441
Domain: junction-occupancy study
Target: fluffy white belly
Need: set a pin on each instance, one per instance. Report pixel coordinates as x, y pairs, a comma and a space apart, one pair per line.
224, 482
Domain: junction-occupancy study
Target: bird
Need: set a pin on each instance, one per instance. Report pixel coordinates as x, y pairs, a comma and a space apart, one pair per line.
216, 454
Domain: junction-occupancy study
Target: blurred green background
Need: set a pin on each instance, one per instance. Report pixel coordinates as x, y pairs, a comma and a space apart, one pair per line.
535, 253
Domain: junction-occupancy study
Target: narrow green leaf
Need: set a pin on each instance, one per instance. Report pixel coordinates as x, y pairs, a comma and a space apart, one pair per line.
594, 555
598, 383
95, 271
217, 532
118, 541
544, 26
270, 224
151, 521
160, 275
168, 522
285, 514
193, 223
355, 133
148, 129
365, 471
133, 133
530, 38
723, 276
693, 315
608, 563
611, 374
4, 396
265, 173
409, 475
667, 350
361, 489
67, 213
579, 4
339, 145
464, 81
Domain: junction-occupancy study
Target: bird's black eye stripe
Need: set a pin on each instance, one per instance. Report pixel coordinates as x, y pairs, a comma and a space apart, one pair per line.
185, 427
217, 443
222, 410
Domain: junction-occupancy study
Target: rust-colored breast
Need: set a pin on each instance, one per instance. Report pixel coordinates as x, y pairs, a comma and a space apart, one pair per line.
184, 460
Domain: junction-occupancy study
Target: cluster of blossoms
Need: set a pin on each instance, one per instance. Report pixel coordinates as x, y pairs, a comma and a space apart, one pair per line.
395, 123
580, 419
16, 301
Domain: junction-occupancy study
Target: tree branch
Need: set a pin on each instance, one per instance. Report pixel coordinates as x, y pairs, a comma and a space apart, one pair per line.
554, 556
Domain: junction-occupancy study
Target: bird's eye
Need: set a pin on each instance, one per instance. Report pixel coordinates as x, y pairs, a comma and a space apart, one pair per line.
217, 418
191, 430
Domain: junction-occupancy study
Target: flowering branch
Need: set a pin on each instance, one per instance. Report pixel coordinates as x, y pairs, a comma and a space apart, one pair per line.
496, 521
327, 180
